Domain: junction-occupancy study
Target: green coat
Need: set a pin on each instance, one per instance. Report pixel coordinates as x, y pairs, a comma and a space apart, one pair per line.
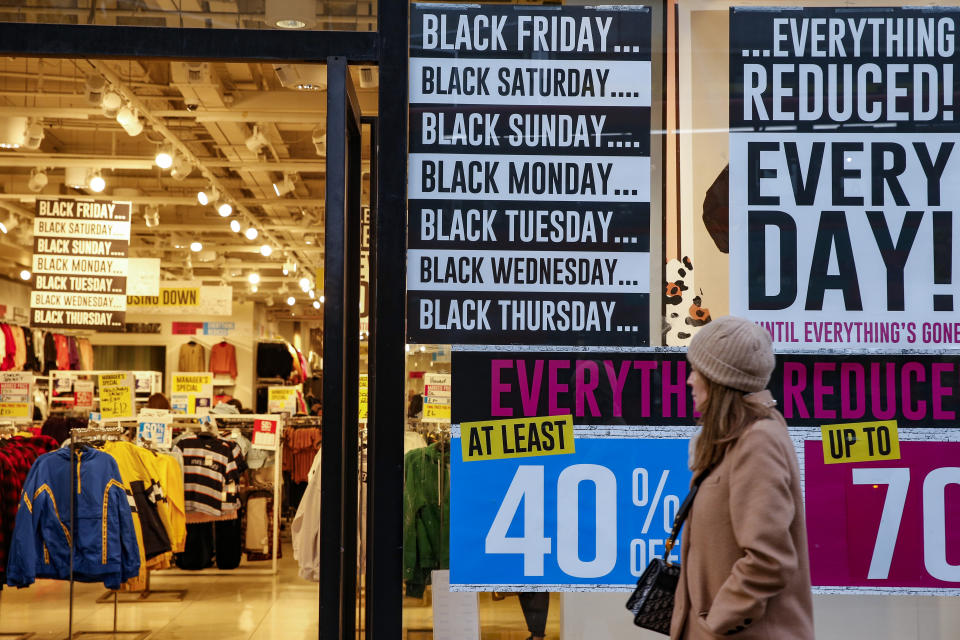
426, 523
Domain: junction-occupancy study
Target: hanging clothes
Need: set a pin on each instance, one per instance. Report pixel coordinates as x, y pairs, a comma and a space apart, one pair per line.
10, 349
223, 359
426, 517
86, 354
212, 468
30, 350
193, 357
306, 526
105, 546
73, 353
63, 352
49, 353
273, 360
300, 446
20, 343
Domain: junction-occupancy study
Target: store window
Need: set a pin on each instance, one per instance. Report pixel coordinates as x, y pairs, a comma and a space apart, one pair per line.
330, 15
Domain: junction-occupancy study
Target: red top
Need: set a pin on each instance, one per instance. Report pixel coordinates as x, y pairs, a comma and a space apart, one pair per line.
223, 359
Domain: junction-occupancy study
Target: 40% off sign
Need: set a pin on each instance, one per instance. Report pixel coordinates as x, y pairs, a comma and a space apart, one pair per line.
531, 505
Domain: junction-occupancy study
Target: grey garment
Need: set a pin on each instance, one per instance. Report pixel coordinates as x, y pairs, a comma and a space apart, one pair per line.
255, 458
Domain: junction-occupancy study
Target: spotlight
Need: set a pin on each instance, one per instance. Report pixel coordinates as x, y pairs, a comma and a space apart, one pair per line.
256, 141
13, 132
319, 138
291, 14
422, 348
95, 86
38, 180
266, 250
254, 288
196, 247
25, 275
129, 119
224, 209
285, 186
111, 104
95, 182
151, 217
164, 157
75, 177
269, 301
312, 294
235, 226
251, 233
208, 195
316, 304
305, 284
321, 299
9, 224
291, 301
181, 167
34, 136
254, 277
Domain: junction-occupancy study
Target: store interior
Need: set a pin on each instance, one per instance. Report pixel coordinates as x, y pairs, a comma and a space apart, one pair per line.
224, 167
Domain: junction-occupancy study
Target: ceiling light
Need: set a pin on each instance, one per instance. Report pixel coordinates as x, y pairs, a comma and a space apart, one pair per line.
312, 294
316, 304
13, 132
164, 157
254, 288
224, 209
10, 223
269, 301
181, 167
38, 180
319, 138
151, 216
34, 136
208, 195
111, 104
251, 233
256, 141
129, 119
95, 86
305, 284
320, 298
196, 246
75, 177
422, 348
235, 226
254, 277
266, 250
291, 301
96, 182
302, 77
291, 14
285, 186
25, 275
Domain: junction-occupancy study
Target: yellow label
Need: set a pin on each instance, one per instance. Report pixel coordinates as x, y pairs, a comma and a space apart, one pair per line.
116, 402
16, 410
169, 297
191, 383
860, 442
433, 411
516, 438
363, 396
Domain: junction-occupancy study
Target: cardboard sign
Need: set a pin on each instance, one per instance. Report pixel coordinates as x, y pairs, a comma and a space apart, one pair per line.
363, 397
191, 393
156, 427
860, 442
266, 434
517, 438
282, 399
16, 396
83, 395
116, 396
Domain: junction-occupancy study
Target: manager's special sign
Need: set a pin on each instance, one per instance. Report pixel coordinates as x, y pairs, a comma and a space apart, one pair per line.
529, 175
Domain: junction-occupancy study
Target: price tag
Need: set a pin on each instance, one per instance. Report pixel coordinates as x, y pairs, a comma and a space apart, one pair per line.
116, 396
592, 518
156, 427
885, 523
16, 396
363, 397
436, 410
265, 434
83, 394
282, 399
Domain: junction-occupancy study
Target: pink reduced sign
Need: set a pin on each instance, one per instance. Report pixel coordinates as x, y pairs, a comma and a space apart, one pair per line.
891, 523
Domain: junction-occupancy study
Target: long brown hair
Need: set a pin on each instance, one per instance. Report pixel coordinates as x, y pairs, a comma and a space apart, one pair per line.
725, 416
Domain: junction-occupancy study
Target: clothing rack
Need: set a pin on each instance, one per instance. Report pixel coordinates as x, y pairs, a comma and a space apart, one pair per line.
77, 435
243, 420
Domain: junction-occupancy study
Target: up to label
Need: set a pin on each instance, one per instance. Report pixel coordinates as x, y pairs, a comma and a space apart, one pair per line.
860, 442
516, 438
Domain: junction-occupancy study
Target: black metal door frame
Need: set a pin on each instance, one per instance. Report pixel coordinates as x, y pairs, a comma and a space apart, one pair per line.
387, 48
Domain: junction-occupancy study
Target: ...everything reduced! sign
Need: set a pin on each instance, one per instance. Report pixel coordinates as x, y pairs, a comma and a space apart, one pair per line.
529, 175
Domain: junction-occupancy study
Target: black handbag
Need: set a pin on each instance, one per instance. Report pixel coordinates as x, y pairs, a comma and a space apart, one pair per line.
652, 601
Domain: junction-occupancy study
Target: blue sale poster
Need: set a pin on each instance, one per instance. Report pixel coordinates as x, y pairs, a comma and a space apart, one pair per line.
587, 520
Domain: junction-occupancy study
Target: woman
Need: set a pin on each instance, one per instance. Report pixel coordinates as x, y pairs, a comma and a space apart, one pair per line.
744, 571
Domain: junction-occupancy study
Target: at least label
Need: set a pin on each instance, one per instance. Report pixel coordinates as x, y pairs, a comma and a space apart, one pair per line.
517, 438
860, 442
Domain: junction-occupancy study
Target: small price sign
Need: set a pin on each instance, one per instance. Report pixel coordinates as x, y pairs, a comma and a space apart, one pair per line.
16, 395
885, 523
156, 427
280, 399
265, 434
363, 397
83, 394
116, 396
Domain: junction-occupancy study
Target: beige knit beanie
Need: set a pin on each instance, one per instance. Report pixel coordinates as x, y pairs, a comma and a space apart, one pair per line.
733, 352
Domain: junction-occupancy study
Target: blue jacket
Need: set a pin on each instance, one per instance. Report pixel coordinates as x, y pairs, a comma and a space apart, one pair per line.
104, 541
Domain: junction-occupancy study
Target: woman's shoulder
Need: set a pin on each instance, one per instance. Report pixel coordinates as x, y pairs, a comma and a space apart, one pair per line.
766, 433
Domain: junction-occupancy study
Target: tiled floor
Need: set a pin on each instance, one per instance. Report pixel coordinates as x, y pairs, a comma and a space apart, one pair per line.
223, 607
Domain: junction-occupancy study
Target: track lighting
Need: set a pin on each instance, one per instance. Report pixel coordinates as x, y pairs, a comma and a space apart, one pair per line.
181, 167
291, 14
111, 104
25, 275
285, 186
34, 136
312, 294
129, 119
208, 195
225, 209
269, 301
321, 299
196, 247
254, 288
95, 181
151, 217
251, 233
256, 141
305, 284
266, 250
95, 86
164, 157
254, 277
38, 180
235, 226
75, 177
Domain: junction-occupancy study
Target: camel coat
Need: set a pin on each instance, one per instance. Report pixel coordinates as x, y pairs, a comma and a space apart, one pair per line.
745, 571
